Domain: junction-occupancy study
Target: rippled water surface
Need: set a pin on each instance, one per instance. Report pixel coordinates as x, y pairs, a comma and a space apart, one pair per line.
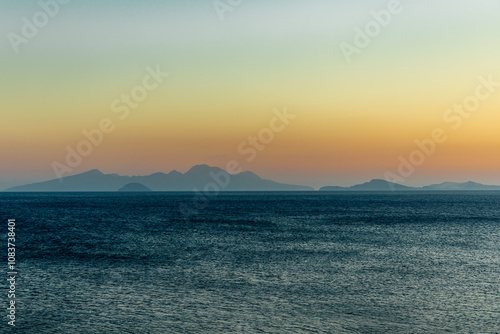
256, 263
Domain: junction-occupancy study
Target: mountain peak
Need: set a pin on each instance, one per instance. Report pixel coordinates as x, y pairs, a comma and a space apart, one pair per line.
202, 169
158, 174
379, 184
378, 181
134, 187
92, 172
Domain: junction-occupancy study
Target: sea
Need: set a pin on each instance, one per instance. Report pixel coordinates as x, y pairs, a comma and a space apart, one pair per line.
299, 262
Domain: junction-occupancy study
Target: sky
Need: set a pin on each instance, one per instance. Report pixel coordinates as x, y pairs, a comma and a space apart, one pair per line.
353, 115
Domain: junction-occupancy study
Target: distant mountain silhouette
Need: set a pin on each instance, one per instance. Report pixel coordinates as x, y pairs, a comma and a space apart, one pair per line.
380, 185
453, 186
383, 185
198, 178
373, 185
134, 187
334, 188
205, 178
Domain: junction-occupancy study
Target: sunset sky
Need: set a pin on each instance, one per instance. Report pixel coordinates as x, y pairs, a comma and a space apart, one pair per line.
353, 119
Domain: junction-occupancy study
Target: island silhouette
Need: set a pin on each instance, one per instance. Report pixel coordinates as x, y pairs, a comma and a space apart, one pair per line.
198, 178
207, 178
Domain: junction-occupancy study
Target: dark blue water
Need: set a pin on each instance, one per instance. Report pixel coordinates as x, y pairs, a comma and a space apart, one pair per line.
256, 263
